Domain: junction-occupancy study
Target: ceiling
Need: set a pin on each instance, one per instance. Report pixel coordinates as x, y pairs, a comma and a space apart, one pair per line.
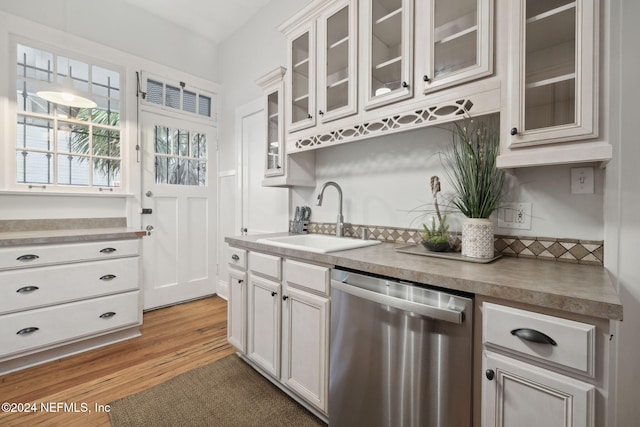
213, 19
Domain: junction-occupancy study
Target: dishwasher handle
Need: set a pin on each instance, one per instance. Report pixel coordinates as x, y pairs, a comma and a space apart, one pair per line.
438, 313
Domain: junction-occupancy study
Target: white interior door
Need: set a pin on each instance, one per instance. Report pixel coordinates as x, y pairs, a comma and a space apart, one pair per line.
264, 209
179, 163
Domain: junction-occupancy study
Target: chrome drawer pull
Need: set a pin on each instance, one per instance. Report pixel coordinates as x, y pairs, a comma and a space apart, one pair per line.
107, 315
235, 257
25, 258
533, 336
108, 277
107, 250
26, 331
27, 289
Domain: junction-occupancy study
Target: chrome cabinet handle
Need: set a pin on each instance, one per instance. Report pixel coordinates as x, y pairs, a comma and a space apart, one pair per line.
27, 289
26, 258
235, 257
108, 277
107, 250
107, 315
533, 336
27, 331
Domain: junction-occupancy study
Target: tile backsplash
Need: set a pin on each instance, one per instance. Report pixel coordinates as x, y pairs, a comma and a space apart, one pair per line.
545, 248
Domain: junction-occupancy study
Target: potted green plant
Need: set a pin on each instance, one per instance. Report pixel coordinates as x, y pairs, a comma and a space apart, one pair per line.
435, 237
470, 164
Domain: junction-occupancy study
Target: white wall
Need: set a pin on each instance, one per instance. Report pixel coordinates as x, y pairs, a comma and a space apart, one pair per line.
385, 178
122, 26
124, 36
622, 204
252, 51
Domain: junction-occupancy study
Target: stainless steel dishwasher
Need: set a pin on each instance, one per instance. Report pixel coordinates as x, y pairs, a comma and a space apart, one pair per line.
401, 354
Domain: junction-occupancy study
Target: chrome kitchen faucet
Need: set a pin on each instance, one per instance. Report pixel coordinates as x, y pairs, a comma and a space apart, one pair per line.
340, 220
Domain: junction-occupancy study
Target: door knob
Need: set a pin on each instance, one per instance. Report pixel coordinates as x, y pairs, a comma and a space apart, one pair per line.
490, 374
149, 193
149, 229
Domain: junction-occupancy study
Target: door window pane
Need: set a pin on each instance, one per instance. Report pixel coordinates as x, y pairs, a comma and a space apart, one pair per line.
181, 157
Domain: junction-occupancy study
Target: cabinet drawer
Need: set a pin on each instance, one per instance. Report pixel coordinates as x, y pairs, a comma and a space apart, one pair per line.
238, 258
574, 346
31, 256
307, 276
33, 329
37, 287
266, 265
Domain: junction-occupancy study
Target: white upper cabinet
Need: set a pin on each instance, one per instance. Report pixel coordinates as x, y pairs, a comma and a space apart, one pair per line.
337, 59
301, 78
454, 42
274, 121
553, 71
322, 61
387, 51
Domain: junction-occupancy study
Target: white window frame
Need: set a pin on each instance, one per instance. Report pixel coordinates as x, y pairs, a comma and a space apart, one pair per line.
174, 112
12, 114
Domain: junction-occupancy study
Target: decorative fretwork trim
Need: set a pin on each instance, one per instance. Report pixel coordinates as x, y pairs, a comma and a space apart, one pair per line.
396, 122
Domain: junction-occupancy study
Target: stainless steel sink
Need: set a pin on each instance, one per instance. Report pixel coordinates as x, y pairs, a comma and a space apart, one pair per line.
319, 243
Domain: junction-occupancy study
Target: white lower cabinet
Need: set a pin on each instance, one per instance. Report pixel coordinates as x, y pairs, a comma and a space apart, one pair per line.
237, 300
538, 370
305, 319
287, 323
34, 329
237, 310
61, 299
264, 324
522, 395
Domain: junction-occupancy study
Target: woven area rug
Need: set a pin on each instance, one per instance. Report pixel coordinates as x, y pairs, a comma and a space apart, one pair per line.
227, 392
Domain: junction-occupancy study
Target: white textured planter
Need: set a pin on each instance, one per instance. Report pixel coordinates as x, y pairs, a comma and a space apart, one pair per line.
477, 238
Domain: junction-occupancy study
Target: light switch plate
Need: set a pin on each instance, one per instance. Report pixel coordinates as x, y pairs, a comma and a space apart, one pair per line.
514, 215
582, 180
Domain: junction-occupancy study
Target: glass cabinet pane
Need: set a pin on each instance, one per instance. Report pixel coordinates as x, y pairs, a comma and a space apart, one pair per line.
550, 63
273, 133
455, 36
337, 57
300, 100
386, 46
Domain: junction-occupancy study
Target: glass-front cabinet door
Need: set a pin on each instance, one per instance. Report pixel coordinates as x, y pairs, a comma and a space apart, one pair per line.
458, 41
273, 86
337, 56
553, 54
302, 78
388, 51
274, 135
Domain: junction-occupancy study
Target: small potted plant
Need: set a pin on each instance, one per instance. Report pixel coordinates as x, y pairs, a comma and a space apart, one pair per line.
477, 182
436, 236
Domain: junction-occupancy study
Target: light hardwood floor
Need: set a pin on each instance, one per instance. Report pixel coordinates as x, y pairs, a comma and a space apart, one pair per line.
174, 340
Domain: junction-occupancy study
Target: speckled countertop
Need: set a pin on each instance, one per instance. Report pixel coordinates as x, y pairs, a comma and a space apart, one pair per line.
44, 237
25, 232
581, 289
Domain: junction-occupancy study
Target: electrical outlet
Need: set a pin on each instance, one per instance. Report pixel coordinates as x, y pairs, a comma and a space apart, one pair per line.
514, 215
